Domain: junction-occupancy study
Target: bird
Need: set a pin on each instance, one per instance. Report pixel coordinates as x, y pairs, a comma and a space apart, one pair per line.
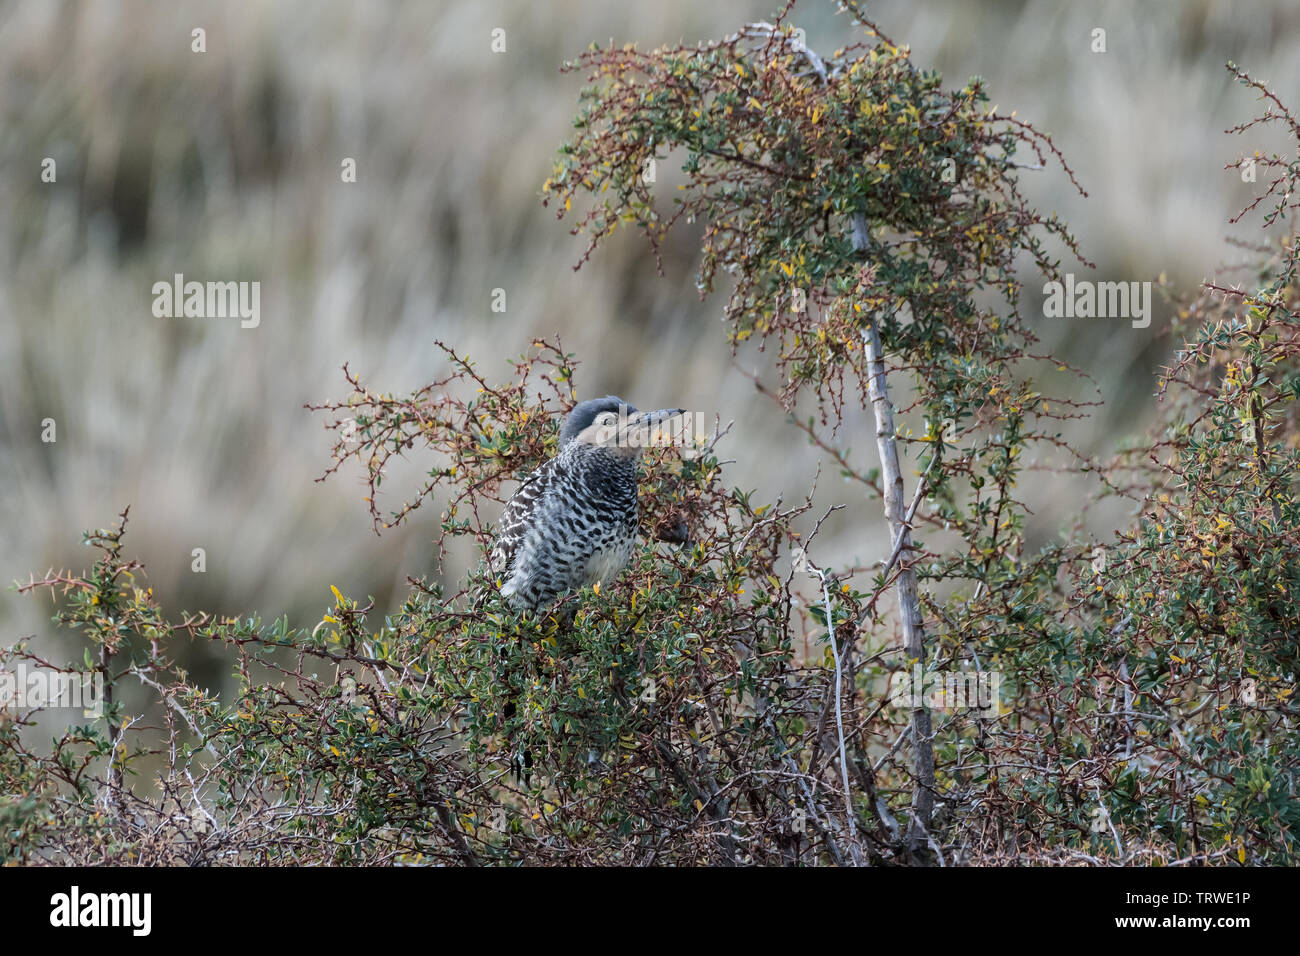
573, 522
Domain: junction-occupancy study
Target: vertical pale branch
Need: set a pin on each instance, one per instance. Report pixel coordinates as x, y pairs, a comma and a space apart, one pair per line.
839, 718
115, 738
900, 531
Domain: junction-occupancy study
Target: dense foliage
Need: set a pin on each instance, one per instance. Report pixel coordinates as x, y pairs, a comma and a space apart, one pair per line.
727, 700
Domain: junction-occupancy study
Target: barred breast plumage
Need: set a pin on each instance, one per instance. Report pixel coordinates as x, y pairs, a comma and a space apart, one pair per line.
573, 522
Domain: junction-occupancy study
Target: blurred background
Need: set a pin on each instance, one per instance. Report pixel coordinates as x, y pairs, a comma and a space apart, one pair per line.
225, 165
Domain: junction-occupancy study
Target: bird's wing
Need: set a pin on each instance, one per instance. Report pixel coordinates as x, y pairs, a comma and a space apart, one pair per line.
517, 515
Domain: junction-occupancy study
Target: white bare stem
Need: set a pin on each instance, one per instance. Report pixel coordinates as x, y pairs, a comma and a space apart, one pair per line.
839, 717
909, 602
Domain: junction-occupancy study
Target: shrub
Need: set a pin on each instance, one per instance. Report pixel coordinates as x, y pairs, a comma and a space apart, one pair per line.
703, 709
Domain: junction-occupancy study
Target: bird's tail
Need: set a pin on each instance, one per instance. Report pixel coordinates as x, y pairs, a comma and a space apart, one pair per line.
521, 758
518, 740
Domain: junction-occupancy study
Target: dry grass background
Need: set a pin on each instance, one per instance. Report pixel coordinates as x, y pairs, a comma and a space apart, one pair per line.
225, 165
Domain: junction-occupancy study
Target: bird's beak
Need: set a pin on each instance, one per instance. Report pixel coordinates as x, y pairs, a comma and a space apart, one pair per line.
654, 418
647, 430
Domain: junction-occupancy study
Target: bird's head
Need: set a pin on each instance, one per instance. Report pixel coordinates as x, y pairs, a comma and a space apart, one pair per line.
612, 423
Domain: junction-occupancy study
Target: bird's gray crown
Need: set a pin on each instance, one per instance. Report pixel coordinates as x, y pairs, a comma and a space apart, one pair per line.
584, 413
